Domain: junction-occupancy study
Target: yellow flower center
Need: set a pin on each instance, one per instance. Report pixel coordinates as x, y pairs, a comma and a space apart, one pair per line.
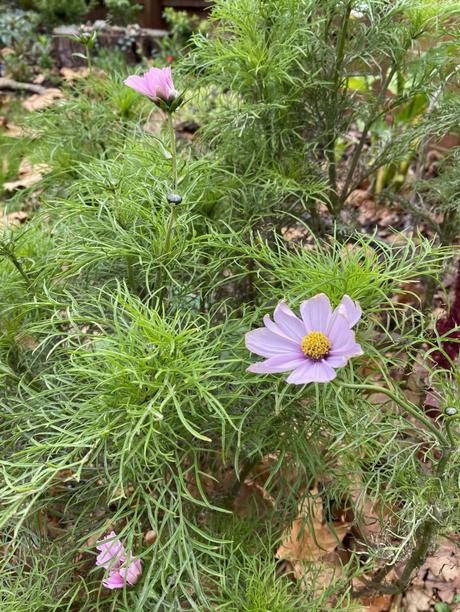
315, 345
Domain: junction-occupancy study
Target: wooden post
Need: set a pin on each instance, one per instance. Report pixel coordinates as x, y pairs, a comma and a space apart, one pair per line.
152, 14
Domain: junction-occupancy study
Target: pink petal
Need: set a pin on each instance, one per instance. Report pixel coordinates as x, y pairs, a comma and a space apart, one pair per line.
167, 78
312, 371
342, 338
281, 363
156, 83
133, 573
265, 343
337, 361
288, 322
273, 327
338, 331
112, 552
316, 313
348, 350
114, 581
351, 310
138, 83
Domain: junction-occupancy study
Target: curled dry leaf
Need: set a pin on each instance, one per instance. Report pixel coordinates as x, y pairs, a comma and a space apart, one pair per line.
72, 74
15, 218
10, 129
437, 581
252, 500
29, 174
310, 544
310, 536
39, 101
39, 79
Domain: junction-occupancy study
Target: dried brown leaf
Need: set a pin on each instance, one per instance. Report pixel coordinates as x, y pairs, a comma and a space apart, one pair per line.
29, 174
39, 101
310, 537
318, 576
72, 74
15, 218
437, 580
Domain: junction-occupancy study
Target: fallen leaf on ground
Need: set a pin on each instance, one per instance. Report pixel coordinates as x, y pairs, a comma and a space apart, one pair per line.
29, 174
12, 130
72, 74
39, 101
252, 499
437, 581
377, 603
310, 537
27, 342
15, 218
39, 79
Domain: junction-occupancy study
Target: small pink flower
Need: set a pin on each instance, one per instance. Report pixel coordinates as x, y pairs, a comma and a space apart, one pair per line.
156, 83
313, 346
113, 558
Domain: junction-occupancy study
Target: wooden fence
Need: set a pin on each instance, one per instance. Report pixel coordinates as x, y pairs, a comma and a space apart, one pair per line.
151, 15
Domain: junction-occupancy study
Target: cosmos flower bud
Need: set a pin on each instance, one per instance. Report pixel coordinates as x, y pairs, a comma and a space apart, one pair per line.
174, 198
451, 411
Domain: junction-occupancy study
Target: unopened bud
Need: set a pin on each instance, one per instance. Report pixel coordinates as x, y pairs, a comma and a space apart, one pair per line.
174, 198
451, 411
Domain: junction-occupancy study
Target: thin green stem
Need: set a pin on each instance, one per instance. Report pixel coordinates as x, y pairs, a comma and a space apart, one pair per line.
89, 61
427, 529
172, 140
248, 465
372, 117
17, 264
331, 136
408, 406
170, 227
425, 535
130, 269
450, 434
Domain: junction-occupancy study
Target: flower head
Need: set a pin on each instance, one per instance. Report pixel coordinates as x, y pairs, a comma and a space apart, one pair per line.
313, 346
157, 84
112, 557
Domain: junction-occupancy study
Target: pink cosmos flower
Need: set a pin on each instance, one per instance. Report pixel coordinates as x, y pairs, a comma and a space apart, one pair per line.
156, 83
113, 558
313, 346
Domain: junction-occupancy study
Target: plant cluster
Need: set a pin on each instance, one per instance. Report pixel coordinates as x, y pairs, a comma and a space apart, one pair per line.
181, 28
122, 12
22, 47
136, 308
55, 12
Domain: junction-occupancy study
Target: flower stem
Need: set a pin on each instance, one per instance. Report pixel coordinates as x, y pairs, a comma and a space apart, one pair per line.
427, 529
17, 264
408, 406
248, 465
130, 270
88, 59
169, 232
172, 140
450, 433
